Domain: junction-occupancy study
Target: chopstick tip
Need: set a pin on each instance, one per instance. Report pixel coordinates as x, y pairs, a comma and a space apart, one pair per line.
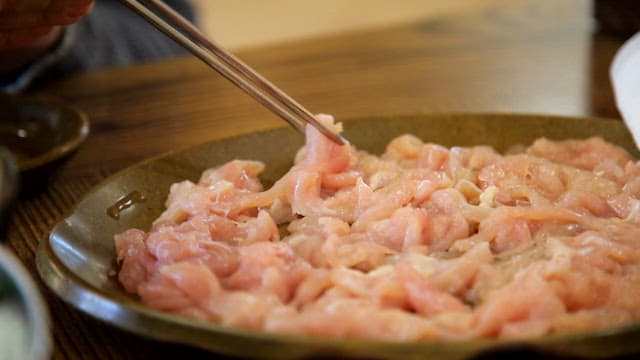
341, 139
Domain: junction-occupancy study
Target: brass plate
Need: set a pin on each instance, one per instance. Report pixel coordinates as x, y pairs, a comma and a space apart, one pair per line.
78, 259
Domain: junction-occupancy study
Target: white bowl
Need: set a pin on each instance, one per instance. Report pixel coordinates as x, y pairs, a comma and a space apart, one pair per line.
24, 319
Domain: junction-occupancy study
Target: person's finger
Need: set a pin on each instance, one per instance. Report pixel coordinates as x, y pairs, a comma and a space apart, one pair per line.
60, 12
70, 7
10, 39
14, 21
65, 12
32, 5
24, 5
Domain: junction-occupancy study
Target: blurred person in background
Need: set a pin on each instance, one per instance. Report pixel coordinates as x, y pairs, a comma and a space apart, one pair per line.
53, 37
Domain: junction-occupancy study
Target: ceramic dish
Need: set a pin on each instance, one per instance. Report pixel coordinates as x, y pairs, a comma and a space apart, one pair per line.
24, 322
78, 259
8, 186
40, 133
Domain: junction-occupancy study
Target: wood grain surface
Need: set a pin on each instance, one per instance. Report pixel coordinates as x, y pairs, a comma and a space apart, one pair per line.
517, 56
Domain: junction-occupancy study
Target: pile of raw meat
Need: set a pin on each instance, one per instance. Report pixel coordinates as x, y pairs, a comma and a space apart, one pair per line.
420, 243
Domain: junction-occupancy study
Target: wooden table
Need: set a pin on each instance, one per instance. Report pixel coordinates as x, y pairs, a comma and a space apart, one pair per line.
516, 56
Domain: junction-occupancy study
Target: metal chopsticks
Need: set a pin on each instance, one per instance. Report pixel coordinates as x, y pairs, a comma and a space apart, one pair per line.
174, 25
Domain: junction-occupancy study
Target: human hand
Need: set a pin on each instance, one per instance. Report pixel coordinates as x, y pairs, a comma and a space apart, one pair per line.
24, 22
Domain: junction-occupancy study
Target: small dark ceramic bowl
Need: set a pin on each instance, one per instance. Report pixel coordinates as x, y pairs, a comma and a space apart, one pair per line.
40, 133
